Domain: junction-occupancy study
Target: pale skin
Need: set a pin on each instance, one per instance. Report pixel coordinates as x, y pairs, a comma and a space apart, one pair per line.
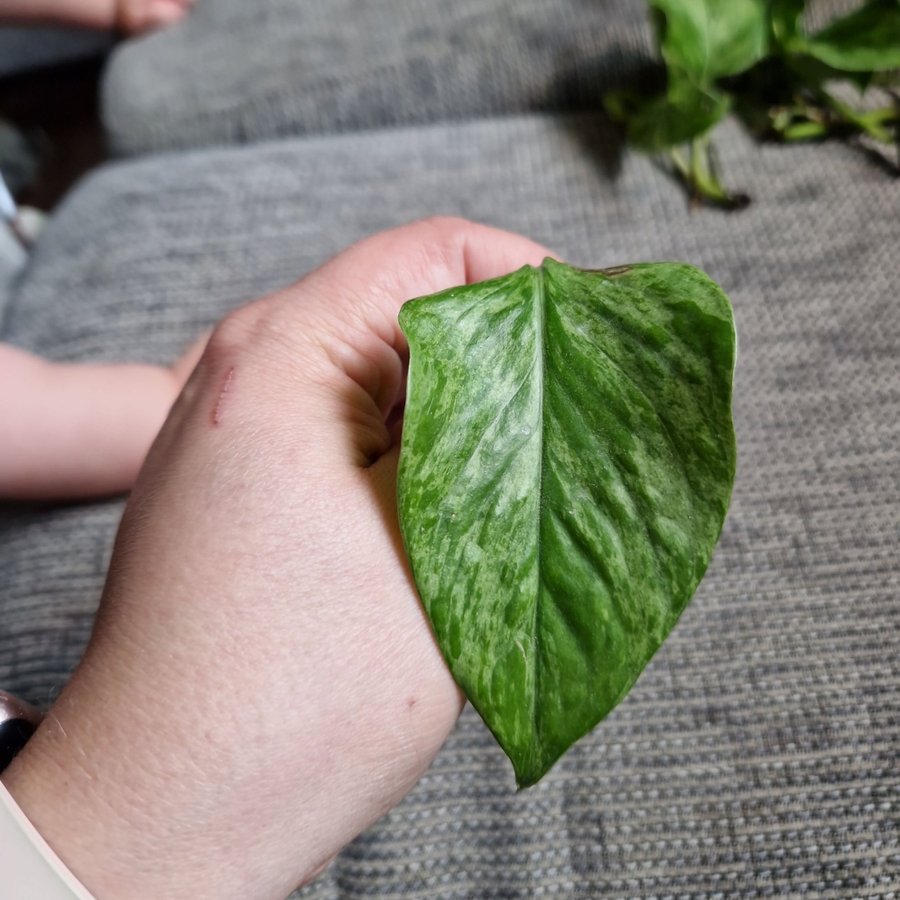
129, 16
80, 430
71, 431
262, 683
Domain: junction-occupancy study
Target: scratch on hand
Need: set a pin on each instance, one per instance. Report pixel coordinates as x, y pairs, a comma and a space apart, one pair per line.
226, 386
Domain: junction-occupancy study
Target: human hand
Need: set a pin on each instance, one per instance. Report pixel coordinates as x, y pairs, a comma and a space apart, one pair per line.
262, 683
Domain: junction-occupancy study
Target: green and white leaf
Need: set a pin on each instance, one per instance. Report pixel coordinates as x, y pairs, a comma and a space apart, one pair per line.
710, 39
566, 466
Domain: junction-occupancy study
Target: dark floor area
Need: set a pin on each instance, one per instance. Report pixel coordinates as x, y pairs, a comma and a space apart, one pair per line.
56, 111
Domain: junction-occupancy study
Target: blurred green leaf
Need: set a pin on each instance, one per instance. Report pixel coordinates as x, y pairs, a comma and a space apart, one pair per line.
755, 57
867, 40
810, 73
657, 123
710, 39
785, 19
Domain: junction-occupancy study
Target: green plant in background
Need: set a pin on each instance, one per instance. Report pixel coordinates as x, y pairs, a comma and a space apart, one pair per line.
753, 56
567, 461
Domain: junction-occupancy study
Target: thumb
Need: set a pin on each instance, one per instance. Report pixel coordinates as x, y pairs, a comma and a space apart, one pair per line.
353, 302
319, 367
369, 282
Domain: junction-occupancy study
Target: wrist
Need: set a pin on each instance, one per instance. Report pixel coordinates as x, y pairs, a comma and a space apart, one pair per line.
88, 783
53, 789
28, 862
133, 798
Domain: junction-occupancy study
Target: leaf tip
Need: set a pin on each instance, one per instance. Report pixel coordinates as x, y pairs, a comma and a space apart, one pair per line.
532, 764
526, 778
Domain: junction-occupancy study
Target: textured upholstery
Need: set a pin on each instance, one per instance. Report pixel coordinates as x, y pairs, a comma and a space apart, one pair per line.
757, 755
237, 72
347, 65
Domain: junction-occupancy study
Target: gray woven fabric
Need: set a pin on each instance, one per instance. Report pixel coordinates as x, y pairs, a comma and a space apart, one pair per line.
237, 71
12, 259
758, 754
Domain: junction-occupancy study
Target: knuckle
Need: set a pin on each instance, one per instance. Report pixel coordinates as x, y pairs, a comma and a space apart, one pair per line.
233, 333
447, 227
438, 247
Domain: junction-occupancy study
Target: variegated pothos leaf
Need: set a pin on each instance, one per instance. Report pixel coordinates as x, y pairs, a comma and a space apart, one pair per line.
566, 466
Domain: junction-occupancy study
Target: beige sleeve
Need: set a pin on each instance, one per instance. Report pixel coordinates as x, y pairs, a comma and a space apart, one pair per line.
28, 867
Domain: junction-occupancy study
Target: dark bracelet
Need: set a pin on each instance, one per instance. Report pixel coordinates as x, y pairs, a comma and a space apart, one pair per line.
18, 721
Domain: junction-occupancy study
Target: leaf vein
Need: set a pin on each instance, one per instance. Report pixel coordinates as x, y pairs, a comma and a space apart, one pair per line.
540, 300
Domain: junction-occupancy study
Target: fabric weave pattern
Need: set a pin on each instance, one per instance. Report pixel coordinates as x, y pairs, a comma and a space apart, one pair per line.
758, 754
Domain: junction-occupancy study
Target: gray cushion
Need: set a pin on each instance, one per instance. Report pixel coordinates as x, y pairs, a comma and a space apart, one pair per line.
12, 259
237, 71
757, 755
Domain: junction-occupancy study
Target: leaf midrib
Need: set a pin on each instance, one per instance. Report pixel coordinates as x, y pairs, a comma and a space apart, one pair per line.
540, 315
